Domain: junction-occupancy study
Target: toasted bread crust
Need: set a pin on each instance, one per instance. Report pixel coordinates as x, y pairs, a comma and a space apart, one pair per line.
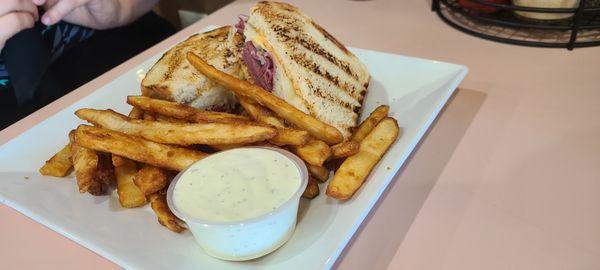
158, 92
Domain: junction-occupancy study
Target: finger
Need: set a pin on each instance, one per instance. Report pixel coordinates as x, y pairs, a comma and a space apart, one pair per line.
39, 2
31, 8
9, 6
60, 10
13, 23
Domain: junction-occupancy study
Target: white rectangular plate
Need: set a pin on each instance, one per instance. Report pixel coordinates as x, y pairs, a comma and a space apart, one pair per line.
415, 89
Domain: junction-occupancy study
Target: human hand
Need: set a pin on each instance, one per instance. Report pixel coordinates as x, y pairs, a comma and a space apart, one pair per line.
97, 14
15, 16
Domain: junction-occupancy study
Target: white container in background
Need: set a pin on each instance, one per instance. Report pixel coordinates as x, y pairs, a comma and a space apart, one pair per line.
545, 4
240, 204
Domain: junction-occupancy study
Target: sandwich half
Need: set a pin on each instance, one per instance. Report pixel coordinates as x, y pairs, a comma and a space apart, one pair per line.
173, 78
289, 54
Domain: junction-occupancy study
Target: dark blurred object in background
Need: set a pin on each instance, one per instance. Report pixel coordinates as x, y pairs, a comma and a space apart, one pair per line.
181, 13
472, 6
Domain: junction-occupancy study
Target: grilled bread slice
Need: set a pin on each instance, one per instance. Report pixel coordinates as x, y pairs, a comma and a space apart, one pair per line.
173, 78
313, 71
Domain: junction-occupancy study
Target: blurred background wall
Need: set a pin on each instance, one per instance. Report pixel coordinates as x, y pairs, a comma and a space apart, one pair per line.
182, 13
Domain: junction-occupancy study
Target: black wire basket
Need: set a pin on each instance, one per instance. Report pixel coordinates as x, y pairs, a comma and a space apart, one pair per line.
579, 27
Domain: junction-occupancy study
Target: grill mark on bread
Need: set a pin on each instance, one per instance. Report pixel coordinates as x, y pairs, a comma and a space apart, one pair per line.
284, 6
326, 95
172, 67
230, 54
173, 79
311, 45
330, 37
289, 29
307, 63
176, 55
227, 56
175, 61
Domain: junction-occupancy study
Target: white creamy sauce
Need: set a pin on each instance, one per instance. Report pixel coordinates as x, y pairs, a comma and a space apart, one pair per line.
236, 185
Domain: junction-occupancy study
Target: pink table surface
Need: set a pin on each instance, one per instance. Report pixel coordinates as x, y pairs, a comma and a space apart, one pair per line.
507, 177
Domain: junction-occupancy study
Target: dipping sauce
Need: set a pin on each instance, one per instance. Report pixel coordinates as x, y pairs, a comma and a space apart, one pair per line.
240, 204
236, 185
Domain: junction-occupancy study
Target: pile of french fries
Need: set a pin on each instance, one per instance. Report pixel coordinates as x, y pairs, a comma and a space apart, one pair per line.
141, 152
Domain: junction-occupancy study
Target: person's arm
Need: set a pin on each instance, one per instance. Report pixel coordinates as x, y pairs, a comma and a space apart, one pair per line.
15, 16
96, 14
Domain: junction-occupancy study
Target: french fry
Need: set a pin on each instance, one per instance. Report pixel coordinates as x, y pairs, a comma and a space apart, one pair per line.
85, 162
136, 113
60, 164
181, 111
366, 126
138, 149
285, 136
320, 173
312, 189
223, 147
178, 133
260, 113
105, 171
315, 152
148, 116
344, 149
316, 128
165, 217
265, 144
290, 136
130, 195
169, 119
355, 169
150, 179
118, 160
